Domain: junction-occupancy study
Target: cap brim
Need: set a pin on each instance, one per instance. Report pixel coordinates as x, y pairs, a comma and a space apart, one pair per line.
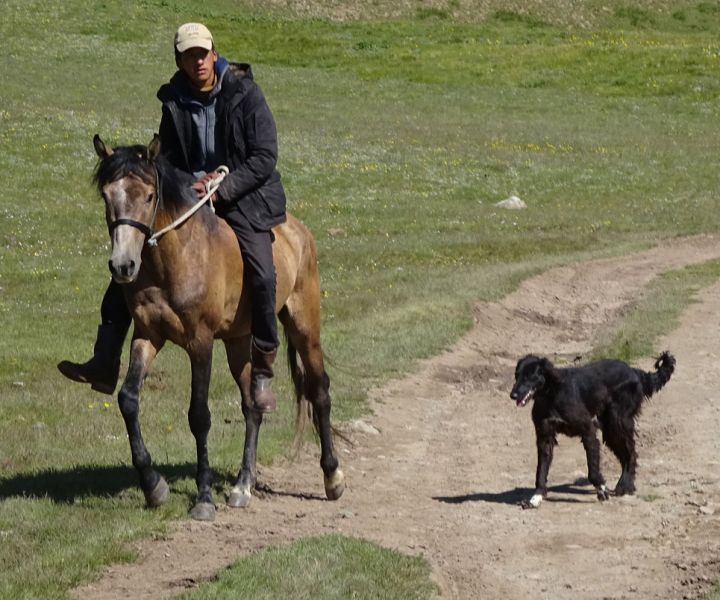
194, 43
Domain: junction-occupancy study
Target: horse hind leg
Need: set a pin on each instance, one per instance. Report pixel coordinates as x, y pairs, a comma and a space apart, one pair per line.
153, 485
313, 381
238, 356
318, 392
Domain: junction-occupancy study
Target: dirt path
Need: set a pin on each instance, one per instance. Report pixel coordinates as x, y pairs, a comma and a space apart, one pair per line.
452, 457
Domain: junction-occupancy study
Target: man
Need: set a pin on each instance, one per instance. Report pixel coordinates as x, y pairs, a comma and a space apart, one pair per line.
213, 114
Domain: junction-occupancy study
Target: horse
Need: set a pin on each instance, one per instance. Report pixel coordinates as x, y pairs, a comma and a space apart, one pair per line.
187, 288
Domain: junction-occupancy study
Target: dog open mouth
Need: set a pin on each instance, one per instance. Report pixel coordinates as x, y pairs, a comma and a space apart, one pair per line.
526, 398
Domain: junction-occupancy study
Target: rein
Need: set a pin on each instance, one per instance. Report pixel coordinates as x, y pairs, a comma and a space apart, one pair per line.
210, 188
151, 236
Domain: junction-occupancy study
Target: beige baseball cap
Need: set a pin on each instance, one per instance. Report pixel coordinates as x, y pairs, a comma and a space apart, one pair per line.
193, 35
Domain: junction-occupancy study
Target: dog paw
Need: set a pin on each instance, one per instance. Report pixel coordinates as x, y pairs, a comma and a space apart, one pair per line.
534, 502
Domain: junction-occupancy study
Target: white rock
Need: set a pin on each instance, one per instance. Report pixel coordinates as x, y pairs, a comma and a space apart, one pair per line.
513, 202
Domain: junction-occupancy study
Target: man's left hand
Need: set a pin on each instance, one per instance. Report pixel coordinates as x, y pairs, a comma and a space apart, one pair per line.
200, 185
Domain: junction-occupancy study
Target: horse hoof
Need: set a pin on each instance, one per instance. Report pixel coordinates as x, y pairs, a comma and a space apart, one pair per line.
335, 485
239, 498
203, 511
158, 495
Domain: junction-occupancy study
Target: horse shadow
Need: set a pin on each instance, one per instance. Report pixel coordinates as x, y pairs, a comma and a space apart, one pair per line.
68, 486
517, 495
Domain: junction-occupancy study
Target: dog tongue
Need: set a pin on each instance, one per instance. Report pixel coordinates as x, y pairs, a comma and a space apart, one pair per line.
524, 400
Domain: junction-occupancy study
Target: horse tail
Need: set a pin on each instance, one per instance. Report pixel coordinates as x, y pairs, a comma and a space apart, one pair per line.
303, 410
304, 414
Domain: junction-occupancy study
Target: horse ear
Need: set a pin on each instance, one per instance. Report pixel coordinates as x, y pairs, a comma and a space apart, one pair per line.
153, 148
102, 150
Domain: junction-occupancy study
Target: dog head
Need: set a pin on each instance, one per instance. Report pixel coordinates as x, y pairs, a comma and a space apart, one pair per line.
531, 375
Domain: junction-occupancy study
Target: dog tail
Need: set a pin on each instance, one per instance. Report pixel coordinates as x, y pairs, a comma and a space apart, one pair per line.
664, 368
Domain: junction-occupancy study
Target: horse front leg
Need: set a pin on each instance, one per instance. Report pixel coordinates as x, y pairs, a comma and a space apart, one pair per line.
238, 355
153, 485
199, 420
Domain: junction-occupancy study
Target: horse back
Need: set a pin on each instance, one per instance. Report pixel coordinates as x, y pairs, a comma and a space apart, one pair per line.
295, 259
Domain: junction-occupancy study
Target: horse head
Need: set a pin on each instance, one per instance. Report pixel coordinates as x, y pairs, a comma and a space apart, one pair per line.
127, 180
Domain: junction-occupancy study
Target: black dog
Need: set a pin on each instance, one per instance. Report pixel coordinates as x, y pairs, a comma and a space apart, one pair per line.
576, 401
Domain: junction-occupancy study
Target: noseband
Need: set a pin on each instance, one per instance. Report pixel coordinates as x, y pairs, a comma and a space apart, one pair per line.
146, 229
136, 224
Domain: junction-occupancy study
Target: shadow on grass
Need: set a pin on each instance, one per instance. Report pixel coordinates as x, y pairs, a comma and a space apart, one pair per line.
69, 485
518, 495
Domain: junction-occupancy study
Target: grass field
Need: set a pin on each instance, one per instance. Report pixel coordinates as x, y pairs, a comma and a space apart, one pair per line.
398, 137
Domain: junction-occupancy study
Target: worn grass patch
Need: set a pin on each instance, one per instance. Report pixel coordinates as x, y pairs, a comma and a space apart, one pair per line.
330, 566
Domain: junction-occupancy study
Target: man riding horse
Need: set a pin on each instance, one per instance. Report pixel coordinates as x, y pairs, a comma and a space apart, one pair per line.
213, 114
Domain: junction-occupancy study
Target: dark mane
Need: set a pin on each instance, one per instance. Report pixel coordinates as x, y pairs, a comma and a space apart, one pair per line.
124, 161
133, 160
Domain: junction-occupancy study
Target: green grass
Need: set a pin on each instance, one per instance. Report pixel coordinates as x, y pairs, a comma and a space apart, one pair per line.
714, 593
330, 566
656, 312
398, 137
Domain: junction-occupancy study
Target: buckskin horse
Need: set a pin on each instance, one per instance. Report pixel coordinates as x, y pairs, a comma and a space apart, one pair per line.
187, 287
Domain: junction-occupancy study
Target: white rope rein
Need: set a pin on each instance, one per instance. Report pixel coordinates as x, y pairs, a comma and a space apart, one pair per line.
210, 188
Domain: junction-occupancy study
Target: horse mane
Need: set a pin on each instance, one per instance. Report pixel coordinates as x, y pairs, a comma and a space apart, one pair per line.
133, 160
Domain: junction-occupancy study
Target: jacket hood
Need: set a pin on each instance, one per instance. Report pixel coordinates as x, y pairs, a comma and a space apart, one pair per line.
180, 88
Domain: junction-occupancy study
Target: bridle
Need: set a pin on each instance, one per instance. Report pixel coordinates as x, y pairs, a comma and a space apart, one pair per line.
147, 230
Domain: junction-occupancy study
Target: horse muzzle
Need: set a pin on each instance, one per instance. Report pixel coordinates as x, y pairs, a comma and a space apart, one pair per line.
127, 245
124, 271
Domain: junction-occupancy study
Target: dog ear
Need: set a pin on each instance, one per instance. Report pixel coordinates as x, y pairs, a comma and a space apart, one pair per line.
548, 370
524, 363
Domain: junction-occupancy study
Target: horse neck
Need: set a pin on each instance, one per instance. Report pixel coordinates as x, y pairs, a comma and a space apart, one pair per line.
170, 254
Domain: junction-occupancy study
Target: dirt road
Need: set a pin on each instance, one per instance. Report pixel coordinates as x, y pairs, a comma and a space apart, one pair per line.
452, 457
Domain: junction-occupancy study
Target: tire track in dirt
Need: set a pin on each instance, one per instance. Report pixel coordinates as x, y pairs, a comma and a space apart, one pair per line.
453, 457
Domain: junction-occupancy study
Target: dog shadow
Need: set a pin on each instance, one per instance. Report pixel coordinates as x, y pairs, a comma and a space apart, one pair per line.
567, 493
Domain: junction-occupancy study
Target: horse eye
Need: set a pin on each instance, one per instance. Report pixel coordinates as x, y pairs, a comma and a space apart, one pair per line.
150, 197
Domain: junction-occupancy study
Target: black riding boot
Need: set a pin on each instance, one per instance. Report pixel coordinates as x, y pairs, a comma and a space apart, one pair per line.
262, 396
103, 369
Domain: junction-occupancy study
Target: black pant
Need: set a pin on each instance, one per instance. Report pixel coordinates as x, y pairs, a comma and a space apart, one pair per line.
259, 277
114, 310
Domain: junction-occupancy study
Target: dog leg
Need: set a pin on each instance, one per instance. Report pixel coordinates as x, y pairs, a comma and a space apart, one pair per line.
545, 449
619, 435
592, 451
627, 456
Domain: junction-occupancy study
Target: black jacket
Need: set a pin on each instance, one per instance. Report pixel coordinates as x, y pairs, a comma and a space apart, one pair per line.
245, 141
